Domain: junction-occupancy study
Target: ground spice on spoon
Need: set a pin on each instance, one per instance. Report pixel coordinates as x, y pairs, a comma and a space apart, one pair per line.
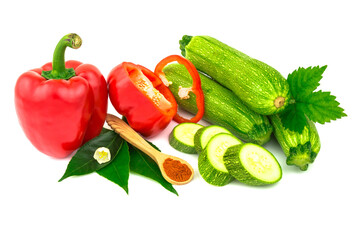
176, 170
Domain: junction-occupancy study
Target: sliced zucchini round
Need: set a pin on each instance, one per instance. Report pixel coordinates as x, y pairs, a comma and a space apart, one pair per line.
182, 137
211, 164
252, 164
203, 135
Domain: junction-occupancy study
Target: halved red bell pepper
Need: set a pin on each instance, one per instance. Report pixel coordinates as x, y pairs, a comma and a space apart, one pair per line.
61, 105
139, 95
196, 87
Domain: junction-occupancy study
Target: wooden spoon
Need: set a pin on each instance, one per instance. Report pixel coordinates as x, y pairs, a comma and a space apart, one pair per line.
175, 170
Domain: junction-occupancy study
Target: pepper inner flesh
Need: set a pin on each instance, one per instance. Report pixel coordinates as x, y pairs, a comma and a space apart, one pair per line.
145, 86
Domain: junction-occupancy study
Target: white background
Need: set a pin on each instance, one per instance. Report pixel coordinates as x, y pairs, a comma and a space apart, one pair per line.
321, 203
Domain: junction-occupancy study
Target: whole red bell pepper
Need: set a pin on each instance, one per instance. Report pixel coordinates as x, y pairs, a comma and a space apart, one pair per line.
139, 95
61, 105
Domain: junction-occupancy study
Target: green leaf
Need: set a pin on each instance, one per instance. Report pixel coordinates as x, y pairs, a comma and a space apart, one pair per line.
83, 161
321, 107
153, 145
118, 170
105, 130
303, 81
142, 164
293, 118
317, 106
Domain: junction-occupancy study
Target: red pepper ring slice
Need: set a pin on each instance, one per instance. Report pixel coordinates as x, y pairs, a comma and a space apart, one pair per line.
196, 87
157, 84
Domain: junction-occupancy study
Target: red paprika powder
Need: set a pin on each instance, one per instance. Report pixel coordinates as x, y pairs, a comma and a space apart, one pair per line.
177, 171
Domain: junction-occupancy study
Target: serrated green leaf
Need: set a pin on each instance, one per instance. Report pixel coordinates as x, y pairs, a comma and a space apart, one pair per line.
118, 170
303, 81
318, 106
142, 164
83, 161
321, 107
293, 118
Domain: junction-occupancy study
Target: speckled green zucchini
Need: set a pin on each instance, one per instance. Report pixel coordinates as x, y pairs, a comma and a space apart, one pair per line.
300, 149
259, 86
222, 107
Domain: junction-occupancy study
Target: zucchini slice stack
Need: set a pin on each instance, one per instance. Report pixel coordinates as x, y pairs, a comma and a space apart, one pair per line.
223, 157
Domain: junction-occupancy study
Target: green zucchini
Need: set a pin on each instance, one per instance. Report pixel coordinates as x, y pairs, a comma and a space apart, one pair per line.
222, 107
211, 164
182, 137
252, 164
300, 149
203, 136
258, 85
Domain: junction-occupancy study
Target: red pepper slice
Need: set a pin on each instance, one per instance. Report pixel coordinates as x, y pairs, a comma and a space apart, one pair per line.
196, 87
139, 95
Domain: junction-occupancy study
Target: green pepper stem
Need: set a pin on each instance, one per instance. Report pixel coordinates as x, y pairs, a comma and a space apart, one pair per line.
59, 71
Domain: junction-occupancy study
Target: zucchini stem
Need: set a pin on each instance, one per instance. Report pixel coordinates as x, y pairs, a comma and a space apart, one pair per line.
279, 102
183, 43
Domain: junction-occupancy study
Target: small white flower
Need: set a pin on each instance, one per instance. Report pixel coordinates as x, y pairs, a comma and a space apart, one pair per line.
102, 155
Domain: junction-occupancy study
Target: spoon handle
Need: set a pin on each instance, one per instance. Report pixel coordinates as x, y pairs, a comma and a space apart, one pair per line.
129, 134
